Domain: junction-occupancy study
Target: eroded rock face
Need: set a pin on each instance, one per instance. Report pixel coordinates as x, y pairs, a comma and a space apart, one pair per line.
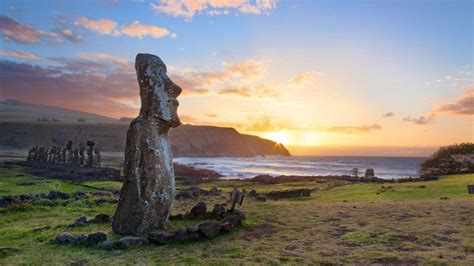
148, 191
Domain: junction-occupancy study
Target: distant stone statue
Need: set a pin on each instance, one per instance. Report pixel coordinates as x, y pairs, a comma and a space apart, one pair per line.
369, 172
148, 191
49, 155
32, 153
97, 157
63, 155
75, 157
68, 159
355, 172
81, 155
90, 153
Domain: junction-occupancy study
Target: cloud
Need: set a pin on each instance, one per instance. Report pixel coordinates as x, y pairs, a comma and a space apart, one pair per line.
463, 105
263, 124
422, 120
136, 29
11, 30
189, 8
16, 54
101, 26
245, 92
201, 82
351, 129
76, 84
70, 35
389, 114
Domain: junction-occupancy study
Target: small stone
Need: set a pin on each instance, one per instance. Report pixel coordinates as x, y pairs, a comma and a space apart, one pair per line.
107, 244
199, 210
260, 198
79, 239
100, 219
181, 236
226, 227
64, 238
42, 228
214, 191
95, 238
56, 194
218, 211
209, 229
79, 194
252, 193
129, 241
160, 237
80, 263
81, 221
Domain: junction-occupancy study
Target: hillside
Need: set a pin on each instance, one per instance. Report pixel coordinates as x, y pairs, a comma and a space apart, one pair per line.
186, 140
13, 110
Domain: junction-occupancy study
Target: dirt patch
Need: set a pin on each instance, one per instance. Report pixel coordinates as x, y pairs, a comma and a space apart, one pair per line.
258, 232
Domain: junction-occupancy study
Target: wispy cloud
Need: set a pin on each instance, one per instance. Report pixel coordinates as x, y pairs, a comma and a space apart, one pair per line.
70, 35
421, 120
12, 30
134, 29
101, 26
189, 8
389, 114
463, 105
16, 54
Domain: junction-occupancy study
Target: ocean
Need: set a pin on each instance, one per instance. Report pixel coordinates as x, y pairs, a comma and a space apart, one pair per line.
242, 168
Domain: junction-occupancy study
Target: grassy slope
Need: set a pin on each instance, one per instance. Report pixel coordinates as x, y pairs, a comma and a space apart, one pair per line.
337, 224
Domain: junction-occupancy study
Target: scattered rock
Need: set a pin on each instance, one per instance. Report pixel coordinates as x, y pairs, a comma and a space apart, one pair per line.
226, 227
181, 236
64, 238
252, 193
199, 210
95, 238
80, 263
81, 221
218, 211
209, 229
129, 241
100, 219
56, 194
260, 198
101, 194
107, 244
79, 194
42, 228
214, 191
160, 237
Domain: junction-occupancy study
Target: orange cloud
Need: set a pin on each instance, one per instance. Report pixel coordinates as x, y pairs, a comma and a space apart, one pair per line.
350, 129
16, 54
463, 105
136, 29
101, 26
188, 8
422, 120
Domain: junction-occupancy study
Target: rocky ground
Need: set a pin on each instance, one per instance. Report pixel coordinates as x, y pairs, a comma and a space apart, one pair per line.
340, 222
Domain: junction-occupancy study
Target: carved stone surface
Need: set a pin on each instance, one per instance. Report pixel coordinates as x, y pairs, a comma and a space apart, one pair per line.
148, 191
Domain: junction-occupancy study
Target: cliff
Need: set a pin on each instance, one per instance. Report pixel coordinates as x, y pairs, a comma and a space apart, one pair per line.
186, 140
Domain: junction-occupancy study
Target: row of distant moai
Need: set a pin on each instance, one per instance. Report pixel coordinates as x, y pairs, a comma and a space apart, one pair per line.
68, 155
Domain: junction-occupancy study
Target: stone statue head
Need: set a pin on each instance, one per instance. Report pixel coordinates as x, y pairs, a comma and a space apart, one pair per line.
158, 93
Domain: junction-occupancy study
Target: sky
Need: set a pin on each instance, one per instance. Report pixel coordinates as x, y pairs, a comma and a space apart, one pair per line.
384, 77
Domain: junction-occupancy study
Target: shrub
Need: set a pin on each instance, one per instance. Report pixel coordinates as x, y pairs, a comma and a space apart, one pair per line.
452, 159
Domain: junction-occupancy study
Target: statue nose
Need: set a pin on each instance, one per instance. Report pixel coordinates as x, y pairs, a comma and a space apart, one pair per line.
173, 89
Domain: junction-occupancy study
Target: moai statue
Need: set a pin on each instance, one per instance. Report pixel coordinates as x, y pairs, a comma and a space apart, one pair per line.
90, 153
68, 159
81, 155
355, 172
39, 155
75, 157
63, 155
97, 157
49, 155
57, 155
31, 153
149, 188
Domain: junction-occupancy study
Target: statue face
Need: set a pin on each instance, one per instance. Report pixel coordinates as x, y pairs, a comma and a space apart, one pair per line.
157, 90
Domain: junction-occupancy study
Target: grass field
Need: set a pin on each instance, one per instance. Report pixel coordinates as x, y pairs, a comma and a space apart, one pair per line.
400, 223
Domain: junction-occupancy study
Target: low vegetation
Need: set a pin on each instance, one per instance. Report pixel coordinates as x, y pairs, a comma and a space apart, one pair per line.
453, 159
340, 223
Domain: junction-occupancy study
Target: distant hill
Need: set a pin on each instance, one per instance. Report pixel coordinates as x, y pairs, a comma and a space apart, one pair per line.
13, 110
186, 140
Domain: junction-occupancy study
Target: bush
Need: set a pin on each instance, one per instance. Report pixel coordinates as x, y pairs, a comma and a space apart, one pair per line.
452, 159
